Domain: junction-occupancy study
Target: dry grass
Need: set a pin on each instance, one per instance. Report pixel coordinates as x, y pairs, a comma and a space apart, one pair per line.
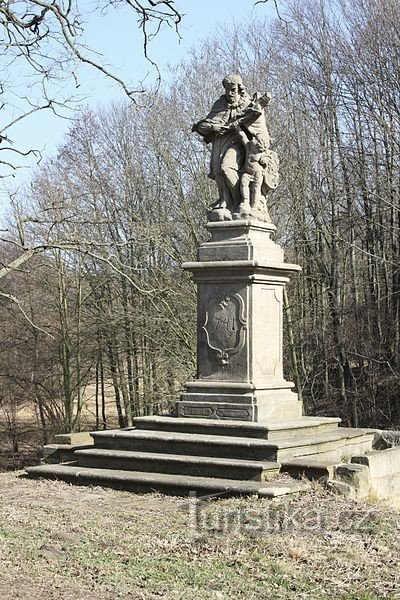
67, 542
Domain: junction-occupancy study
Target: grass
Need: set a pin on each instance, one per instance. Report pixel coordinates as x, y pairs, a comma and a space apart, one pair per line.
70, 542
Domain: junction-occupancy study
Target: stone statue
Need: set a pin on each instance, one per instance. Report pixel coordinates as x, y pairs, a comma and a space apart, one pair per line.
242, 163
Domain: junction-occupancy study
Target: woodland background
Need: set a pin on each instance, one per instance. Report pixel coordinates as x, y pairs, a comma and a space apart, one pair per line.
98, 319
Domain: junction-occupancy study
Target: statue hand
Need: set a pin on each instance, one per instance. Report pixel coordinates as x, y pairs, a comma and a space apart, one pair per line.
263, 101
221, 129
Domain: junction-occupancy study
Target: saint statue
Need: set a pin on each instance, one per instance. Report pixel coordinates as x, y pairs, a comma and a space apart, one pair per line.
243, 165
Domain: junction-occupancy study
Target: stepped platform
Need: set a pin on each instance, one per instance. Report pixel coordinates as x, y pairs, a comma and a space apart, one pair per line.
180, 485
210, 457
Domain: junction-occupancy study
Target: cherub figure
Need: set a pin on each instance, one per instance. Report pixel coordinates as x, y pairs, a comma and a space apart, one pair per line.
253, 174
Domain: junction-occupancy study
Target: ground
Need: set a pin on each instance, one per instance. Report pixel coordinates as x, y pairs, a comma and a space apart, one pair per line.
59, 541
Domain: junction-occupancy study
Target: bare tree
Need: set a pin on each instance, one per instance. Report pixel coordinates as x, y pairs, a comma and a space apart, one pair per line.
42, 43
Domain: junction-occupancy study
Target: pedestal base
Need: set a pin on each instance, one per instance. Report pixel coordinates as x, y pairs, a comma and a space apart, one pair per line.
258, 405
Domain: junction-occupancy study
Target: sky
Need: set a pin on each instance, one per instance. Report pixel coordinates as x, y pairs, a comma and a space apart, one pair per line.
120, 43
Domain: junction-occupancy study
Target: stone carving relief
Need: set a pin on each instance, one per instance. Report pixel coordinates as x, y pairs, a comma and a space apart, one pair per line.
243, 165
225, 327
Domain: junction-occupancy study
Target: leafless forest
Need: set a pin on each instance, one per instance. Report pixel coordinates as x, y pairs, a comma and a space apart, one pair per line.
92, 294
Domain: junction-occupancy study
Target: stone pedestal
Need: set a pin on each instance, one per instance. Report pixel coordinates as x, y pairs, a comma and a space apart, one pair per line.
240, 275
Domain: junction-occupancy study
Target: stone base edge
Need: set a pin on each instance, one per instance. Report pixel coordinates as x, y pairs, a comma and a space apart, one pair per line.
218, 398
217, 410
263, 406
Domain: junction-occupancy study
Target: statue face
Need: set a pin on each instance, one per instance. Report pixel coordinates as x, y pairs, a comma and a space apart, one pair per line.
259, 145
232, 93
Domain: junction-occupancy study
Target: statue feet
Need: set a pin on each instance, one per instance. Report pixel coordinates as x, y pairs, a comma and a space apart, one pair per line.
219, 213
245, 211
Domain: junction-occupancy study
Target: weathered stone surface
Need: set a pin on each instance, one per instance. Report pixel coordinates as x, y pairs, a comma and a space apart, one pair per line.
312, 468
65, 445
243, 165
239, 327
381, 463
331, 444
74, 439
237, 240
171, 484
295, 428
171, 442
386, 439
180, 464
342, 488
384, 472
215, 410
214, 451
59, 453
356, 476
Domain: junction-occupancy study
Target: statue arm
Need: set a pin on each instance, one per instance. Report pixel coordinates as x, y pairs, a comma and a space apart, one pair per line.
263, 159
207, 126
214, 121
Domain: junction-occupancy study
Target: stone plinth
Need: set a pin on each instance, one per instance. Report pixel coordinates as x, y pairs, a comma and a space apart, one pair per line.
240, 275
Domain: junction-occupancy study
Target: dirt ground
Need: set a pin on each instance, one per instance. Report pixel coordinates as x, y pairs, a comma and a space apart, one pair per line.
59, 541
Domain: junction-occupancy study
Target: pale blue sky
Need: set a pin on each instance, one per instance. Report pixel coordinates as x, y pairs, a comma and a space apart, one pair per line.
120, 42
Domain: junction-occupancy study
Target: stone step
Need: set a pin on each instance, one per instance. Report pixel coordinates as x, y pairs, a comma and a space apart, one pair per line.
313, 467
181, 485
165, 442
198, 466
336, 444
61, 453
296, 427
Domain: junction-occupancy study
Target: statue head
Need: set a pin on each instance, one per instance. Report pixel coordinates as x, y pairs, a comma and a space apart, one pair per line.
259, 143
234, 87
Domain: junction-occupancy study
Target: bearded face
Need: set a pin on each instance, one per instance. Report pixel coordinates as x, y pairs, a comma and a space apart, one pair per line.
232, 94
